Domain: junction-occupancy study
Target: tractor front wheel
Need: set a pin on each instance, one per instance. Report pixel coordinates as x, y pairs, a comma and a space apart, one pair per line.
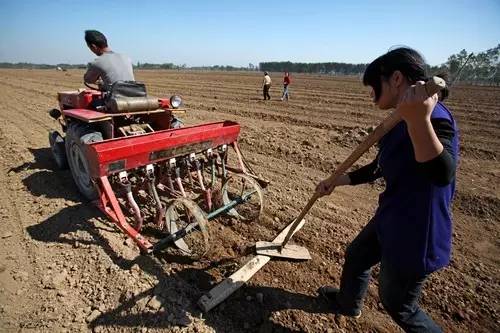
58, 151
77, 136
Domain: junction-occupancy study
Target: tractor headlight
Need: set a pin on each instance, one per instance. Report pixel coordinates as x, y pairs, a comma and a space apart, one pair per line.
175, 101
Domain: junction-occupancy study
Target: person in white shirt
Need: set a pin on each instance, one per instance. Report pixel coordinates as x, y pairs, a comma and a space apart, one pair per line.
266, 85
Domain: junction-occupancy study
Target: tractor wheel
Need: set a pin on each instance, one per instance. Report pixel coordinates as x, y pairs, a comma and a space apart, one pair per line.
77, 136
176, 123
58, 151
184, 215
240, 186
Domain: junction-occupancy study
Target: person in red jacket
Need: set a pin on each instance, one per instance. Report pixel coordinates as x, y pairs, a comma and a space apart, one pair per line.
286, 82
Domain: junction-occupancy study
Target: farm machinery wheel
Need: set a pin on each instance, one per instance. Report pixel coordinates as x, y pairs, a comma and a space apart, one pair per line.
239, 186
186, 217
58, 150
77, 136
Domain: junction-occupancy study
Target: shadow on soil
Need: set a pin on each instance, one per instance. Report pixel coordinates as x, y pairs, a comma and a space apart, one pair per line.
43, 160
49, 181
178, 290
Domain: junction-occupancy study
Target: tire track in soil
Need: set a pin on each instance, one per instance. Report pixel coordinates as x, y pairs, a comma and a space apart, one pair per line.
17, 276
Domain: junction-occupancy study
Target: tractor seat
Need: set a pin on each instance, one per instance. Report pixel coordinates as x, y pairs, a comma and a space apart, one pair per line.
129, 96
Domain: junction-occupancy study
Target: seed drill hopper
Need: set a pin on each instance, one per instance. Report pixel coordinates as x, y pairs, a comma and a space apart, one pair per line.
129, 154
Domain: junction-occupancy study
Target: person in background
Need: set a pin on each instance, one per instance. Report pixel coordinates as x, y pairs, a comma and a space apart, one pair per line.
286, 82
410, 233
108, 66
266, 85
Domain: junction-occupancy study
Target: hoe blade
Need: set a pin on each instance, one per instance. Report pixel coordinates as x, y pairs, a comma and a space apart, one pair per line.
289, 251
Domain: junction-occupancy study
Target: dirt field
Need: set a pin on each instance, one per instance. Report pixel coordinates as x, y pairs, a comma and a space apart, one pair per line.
64, 267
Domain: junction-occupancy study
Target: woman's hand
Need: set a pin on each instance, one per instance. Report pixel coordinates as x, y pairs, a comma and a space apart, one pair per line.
326, 186
415, 106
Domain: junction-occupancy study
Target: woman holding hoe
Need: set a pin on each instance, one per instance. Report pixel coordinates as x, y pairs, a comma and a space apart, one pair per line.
410, 233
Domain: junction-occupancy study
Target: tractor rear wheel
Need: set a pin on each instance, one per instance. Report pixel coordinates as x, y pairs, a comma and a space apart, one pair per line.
77, 136
58, 151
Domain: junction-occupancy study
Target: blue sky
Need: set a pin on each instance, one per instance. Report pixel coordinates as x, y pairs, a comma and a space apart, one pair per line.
241, 32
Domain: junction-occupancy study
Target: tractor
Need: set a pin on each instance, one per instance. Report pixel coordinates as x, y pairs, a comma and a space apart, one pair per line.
132, 157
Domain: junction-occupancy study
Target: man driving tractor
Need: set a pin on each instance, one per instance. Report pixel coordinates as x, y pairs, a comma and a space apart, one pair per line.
109, 66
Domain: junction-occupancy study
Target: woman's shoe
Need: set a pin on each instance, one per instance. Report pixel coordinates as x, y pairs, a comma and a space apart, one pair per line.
330, 294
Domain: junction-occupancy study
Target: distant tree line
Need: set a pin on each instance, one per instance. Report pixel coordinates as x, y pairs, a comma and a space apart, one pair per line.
481, 68
28, 65
169, 65
335, 68
183, 66
145, 65
223, 68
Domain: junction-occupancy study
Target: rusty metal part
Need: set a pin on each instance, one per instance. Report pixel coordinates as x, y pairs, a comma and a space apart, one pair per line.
200, 177
178, 181
135, 129
169, 178
160, 208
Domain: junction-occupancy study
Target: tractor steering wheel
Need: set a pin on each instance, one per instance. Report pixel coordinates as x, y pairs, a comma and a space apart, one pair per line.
92, 86
98, 85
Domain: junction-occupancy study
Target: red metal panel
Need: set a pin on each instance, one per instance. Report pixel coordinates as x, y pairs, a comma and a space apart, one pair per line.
111, 156
78, 99
107, 196
86, 114
164, 103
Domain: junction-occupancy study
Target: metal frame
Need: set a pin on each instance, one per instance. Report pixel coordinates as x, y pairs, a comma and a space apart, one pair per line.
137, 152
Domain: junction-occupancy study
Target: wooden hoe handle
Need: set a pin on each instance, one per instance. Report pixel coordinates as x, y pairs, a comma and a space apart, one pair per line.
433, 86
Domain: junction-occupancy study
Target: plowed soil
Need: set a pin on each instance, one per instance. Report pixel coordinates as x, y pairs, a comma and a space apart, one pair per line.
65, 267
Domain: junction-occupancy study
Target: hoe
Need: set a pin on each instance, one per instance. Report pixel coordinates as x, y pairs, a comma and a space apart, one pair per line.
282, 249
130, 155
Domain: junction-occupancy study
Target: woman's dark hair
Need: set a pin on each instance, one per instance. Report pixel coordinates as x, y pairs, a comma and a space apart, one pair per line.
404, 59
95, 37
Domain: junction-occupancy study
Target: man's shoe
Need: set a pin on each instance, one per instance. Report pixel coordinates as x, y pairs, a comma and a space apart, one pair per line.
330, 294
